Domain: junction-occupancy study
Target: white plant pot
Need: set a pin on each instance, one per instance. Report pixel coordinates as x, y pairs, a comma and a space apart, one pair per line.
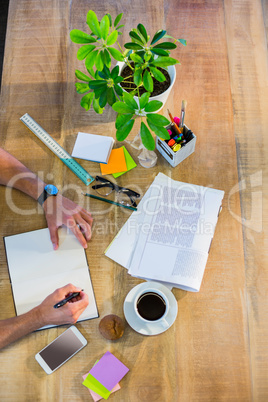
162, 97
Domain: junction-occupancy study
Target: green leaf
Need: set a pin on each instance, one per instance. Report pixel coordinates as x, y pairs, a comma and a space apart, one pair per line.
148, 81
97, 84
115, 72
165, 45
111, 98
103, 98
146, 137
136, 58
118, 19
135, 37
119, 79
98, 91
93, 23
106, 58
99, 62
122, 119
118, 90
112, 38
157, 119
81, 88
122, 132
142, 31
130, 101
144, 99
81, 76
133, 46
158, 75
165, 61
91, 72
121, 107
137, 77
158, 35
104, 27
87, 100
159, 131
84, 51
148, 55
160, 52
96, 106
110, 19
78, 36
90, 60
117, 55
153, 106
182, 41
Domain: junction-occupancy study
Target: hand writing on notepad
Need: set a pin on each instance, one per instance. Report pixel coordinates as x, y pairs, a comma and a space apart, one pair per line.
14, 328
67, 314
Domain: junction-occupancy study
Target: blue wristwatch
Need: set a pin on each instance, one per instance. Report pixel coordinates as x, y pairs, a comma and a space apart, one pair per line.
49, 191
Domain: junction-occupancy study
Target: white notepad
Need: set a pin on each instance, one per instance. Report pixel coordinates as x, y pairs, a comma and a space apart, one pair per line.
93, 147
36, 270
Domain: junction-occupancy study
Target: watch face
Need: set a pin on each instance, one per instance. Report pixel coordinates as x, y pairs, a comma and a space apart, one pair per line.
52, 190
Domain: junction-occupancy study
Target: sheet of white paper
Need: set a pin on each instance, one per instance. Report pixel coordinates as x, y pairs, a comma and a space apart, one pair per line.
93, 147
36, 270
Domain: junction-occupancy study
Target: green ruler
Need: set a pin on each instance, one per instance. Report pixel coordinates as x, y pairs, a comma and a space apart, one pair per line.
57, 149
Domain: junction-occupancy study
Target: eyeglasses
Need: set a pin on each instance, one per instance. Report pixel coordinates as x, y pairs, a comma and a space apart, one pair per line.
125, 196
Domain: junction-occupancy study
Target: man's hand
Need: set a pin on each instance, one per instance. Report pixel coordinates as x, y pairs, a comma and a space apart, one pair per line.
14, 328
67, 314
60, 211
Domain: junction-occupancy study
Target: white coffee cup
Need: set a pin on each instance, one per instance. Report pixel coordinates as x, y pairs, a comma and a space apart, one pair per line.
152, 306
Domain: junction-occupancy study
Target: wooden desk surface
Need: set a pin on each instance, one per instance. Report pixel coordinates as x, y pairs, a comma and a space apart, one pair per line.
217, 349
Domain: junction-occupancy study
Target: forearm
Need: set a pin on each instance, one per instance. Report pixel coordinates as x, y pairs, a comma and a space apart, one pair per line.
14, 174
14, 328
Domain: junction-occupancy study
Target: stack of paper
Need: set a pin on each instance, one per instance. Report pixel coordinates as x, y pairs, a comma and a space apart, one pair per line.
168, 238
104, 377
119, 163
93, 147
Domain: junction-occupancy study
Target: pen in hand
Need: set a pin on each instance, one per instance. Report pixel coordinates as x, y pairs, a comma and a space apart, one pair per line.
64, 301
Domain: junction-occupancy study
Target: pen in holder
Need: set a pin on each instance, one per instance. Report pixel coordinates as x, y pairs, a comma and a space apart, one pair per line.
176, 152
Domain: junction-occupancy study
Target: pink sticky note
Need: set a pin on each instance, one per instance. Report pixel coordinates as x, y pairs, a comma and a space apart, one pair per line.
95, 396
109, 370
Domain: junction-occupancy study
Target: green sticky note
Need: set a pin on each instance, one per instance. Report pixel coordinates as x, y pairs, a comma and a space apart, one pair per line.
95, 386
129, 161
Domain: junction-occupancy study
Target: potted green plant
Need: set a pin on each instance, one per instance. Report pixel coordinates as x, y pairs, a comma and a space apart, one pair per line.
129, 87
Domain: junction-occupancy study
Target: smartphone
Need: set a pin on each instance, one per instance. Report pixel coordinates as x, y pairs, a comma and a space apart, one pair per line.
61, 349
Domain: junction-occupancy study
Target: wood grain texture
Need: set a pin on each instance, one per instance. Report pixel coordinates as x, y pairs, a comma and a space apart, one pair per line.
217, 348
247, 50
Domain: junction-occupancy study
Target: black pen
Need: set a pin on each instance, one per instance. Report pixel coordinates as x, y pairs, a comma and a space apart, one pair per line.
64, 301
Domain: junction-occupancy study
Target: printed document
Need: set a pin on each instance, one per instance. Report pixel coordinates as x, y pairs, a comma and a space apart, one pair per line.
169, 237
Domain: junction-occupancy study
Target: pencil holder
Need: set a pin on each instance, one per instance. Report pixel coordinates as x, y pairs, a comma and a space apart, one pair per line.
174, 158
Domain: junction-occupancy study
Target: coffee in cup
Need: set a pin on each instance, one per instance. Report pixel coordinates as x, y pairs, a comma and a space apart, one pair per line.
151, 306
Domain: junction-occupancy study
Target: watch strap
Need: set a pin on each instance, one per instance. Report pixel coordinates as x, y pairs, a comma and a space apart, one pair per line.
43, 196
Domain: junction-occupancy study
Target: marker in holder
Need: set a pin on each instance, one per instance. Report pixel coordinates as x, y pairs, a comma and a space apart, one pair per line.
176, 155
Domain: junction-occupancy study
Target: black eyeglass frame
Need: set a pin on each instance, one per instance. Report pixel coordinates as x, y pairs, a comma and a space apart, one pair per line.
114, 187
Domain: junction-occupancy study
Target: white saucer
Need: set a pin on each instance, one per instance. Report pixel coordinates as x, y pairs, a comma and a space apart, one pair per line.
152, 328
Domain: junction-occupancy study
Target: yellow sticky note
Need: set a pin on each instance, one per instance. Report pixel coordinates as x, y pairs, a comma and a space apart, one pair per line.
117, 162
95, 386
130, 163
